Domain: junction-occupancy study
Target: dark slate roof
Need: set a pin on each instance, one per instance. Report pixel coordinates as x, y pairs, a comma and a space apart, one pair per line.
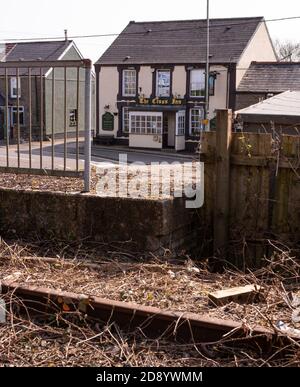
5, 49
31, 51
46, 50
273, 77
181, 41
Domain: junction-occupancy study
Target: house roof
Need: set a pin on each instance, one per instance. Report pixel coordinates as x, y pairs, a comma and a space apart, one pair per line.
182, 41
31, 51
274, 77
284, 104
5, 49
27, 51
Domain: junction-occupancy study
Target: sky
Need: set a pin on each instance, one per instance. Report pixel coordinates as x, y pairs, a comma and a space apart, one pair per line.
49, 18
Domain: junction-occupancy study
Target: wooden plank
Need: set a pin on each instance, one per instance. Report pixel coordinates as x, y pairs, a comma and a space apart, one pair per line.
245, 294
265, 144
262, 196
261, 161
208, 143
255, 161
208, 147
249, 189
290, 146
251, 144
286, 212
222, 190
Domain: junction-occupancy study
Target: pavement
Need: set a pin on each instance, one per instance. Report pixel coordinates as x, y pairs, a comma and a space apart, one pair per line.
138, 155
144, 174
100, 154
35, 156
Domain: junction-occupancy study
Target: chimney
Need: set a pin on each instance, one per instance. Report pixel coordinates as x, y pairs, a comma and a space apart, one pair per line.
66, 35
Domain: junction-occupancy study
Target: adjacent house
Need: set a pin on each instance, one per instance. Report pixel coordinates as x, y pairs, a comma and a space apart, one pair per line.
280, 114
38, 101
266, 79
150, 83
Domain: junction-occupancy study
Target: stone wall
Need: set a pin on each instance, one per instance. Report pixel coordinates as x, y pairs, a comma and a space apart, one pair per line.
148, 224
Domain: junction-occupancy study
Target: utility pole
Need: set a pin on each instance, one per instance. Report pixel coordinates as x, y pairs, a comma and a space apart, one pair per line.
207, 70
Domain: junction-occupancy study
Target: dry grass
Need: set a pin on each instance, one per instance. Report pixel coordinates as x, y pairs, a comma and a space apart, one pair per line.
158, 182
61, 342
65, 340
153, 281
43, 183
112, 272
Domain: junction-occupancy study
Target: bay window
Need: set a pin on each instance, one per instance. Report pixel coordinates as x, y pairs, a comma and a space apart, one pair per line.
145, 123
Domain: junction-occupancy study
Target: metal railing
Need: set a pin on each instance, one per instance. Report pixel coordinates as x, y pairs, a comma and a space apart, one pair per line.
46, 105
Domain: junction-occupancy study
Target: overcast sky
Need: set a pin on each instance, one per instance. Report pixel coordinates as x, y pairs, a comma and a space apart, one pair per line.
48, 18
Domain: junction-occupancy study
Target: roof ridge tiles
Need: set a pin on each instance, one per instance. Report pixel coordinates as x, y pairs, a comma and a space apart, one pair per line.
196, 20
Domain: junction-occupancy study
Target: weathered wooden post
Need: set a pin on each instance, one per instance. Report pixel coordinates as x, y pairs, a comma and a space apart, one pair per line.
222, 192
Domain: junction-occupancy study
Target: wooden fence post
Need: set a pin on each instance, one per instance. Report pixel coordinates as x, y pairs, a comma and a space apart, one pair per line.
222, 192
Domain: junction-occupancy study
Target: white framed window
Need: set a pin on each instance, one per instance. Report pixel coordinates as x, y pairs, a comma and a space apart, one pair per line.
163, 83
14, 115
181, 125
145, 123
196, 120
129, 83
197, 83
14, 85
125, 125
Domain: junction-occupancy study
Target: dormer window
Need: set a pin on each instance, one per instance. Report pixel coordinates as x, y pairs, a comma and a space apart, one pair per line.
129, 83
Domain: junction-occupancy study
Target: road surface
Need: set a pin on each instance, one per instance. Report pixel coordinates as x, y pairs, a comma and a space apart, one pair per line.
99, 154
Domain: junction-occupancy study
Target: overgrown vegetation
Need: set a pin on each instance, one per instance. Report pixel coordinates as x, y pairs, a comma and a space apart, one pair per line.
169, 282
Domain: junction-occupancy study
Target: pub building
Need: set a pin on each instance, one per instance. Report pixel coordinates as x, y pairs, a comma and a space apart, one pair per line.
150, 83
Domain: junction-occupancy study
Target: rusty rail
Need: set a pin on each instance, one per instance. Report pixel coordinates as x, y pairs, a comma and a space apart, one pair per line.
151, 320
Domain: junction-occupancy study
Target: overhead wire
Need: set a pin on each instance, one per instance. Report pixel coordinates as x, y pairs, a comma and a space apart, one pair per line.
213, 26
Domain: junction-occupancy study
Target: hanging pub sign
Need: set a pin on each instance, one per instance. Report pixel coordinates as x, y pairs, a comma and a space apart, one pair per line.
108, 121
161, 101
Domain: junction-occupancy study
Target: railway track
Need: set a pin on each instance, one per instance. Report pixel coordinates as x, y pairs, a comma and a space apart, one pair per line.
154, 322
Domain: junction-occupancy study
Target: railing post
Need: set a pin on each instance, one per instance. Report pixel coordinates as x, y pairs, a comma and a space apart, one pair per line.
88, 124
222, 192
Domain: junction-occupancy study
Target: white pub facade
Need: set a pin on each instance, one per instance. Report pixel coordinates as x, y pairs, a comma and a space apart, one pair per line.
150, 83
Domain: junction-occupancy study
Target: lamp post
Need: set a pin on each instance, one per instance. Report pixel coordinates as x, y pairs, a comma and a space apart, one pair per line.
207, 70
